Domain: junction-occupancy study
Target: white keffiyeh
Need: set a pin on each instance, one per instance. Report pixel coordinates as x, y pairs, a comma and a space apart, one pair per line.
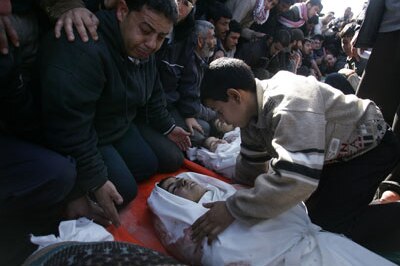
260, 13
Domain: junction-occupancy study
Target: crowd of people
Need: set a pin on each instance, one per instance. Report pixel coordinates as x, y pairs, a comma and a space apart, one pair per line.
96, 96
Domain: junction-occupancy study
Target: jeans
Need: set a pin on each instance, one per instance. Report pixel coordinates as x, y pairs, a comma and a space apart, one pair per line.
129, 160
33, 184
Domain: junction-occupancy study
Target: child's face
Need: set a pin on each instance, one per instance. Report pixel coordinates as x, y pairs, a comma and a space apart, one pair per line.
232, 112
212, 143
184, 188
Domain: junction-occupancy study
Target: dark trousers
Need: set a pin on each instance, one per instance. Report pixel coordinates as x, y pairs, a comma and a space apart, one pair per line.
129, 160
380, 83
33, 183
381, 78
341, 202
139, 154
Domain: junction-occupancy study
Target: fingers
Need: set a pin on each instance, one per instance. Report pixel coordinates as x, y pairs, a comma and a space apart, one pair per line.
91, 23
99, 216
107, 196
82, 19
111, 212
184, 143
57, 28
7, 33
117, 198
11, 32
213, 235
65, 21
198, 128
80, 27
190, 127
3, 38
199, 229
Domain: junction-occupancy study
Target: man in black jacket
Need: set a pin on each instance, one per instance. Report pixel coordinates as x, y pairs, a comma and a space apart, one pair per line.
92, 92
34, 180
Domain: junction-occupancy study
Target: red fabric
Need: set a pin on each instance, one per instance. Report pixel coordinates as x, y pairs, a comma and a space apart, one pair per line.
136, 220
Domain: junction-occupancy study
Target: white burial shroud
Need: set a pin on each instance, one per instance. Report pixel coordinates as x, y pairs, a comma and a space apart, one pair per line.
289, 239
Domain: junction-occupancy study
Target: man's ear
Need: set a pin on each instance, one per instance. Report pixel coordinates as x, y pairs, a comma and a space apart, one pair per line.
122, 10
234, 94
199, 42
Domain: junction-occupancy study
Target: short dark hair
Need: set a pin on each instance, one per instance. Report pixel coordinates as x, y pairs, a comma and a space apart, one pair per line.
296, 35
306, 40
166, 7
315, 3
234, 26
283, 37
319, 37
162, 181
217, 11
223, 74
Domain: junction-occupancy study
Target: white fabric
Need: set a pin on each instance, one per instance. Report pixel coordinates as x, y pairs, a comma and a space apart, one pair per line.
289, 239
82, 230
223, 160
260, 13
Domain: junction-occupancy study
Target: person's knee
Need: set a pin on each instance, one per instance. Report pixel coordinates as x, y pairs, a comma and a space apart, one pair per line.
172, 162
128, 193
62, 174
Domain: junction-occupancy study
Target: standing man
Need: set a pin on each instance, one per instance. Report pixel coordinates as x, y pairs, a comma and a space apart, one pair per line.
91, 93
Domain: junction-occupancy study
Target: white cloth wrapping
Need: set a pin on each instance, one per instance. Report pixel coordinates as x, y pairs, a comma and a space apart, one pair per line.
223, 160
289, 239
82, 230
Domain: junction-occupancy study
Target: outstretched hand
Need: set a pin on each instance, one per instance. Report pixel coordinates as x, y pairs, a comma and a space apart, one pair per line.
83, 20
212, 223
180, 137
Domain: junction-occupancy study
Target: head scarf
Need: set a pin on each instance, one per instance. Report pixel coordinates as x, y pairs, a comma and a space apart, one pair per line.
260, 13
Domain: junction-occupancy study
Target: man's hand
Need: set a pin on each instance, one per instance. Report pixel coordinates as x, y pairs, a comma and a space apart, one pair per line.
82, 19
7, 33
107, 196
354, 52
389, 196
212, 223
84, 207
192, 124
180, 137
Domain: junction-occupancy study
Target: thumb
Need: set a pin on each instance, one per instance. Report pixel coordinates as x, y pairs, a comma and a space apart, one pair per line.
208, 204
190, 127
117, 198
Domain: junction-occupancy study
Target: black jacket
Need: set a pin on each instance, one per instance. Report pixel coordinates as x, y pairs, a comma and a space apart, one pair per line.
178, 74
91, 93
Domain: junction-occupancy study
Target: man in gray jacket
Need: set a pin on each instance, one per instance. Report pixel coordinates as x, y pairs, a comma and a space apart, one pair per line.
303, 140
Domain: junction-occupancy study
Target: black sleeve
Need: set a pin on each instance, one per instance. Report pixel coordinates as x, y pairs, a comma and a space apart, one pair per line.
72, 82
